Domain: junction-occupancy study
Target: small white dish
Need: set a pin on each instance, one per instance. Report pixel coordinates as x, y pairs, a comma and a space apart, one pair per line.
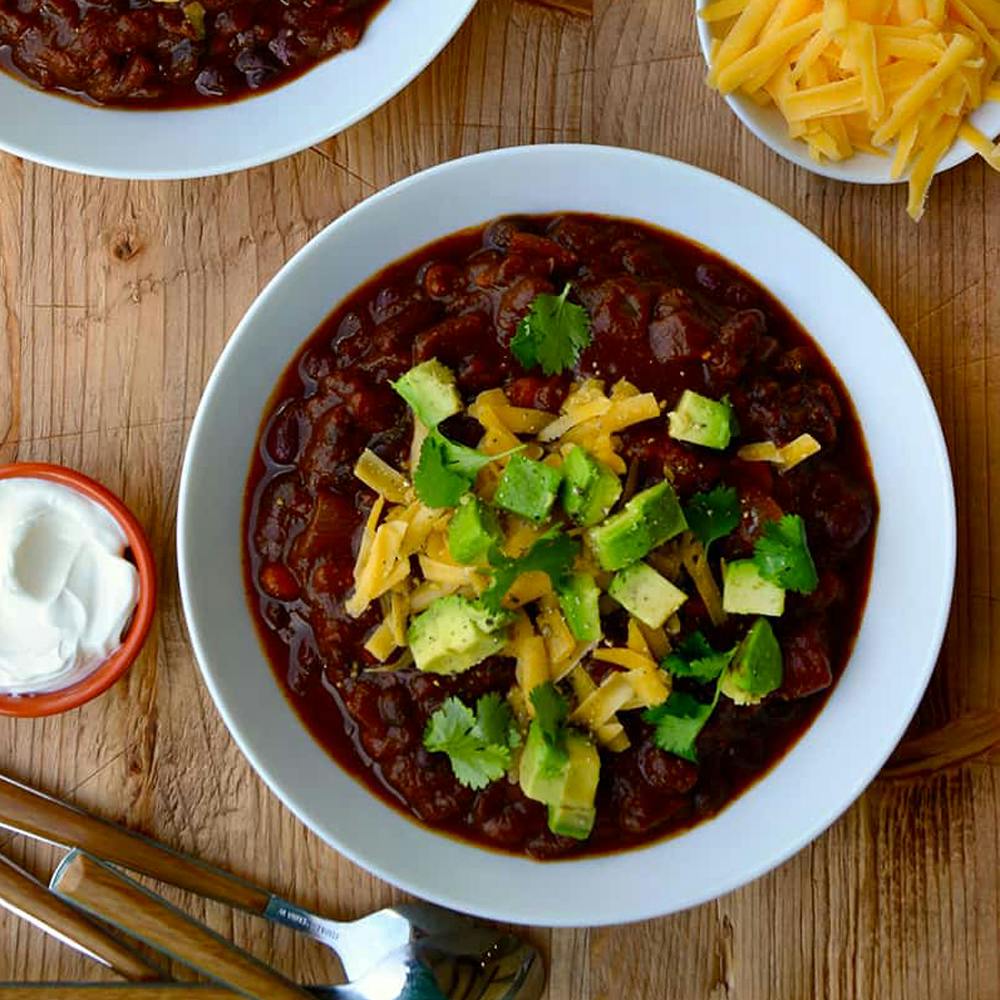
198, 142
900, 635
862, 168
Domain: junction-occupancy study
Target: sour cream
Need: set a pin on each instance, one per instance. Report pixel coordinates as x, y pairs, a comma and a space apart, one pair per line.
66, 591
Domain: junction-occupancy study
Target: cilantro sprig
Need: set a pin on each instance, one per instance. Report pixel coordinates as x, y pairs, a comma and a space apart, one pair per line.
782, 555
553, 333
696, 658
682, 717
553, 553
679, 721
714, 514
478, 744
447, 470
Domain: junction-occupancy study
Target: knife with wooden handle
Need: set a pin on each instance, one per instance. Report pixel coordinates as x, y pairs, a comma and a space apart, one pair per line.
105, 893
29, 899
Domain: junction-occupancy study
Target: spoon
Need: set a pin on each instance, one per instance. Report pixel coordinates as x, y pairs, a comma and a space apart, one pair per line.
467, 964
359, 944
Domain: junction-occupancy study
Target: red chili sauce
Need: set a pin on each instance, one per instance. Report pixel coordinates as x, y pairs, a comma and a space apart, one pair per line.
157, 53
666, 314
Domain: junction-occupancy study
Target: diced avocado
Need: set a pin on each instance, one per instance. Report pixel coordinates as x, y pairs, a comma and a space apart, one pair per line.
700, 420
746, 592
473, 531
573, 815
454, 634
647, 595
528, 488
569, 790
430, 390
542, 774
649, 519
578, 598
756, 668
590, 489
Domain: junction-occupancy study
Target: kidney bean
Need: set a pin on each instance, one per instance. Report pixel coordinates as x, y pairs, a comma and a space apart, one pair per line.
276, 581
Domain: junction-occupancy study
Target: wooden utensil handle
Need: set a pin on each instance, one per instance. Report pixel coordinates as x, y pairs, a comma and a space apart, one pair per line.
27, 811
106, 991
32, 901
125, 904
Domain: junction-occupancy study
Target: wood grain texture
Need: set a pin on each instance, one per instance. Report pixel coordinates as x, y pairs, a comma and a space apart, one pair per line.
116, 298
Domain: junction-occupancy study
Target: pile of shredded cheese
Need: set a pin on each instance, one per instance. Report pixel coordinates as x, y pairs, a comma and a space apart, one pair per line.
404, 562
866, 75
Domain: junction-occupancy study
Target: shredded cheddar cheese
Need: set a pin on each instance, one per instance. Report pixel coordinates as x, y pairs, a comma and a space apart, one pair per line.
883, 77
696, 564
382, 477
786, 457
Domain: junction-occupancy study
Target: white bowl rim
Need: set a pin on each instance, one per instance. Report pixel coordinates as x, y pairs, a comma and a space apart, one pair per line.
531, 911
104, 158
862, 168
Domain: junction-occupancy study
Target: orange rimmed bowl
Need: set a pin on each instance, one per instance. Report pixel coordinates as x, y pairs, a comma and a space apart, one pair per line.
113, 668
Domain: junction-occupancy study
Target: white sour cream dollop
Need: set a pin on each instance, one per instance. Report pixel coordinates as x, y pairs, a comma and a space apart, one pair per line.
66, 590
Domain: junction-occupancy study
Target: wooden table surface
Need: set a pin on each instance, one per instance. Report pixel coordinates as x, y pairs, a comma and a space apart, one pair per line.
116, 299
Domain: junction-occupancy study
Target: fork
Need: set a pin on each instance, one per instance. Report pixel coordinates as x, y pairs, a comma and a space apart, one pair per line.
359, 944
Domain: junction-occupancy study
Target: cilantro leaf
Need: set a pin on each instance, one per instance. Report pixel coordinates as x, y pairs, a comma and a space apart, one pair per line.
696, 658
447, 470
714, 514
477, 743
551, 712
782, 555
495, 721
553, 553
553, 333
678, 722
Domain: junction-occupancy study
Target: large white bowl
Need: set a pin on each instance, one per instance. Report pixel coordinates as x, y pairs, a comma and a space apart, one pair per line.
902, 628
862, 168
197, 142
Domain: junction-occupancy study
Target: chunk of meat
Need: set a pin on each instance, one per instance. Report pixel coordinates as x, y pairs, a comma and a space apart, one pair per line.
506, 816
426, 783
677, 332
329, 535
690, 469
807, 663
838, 510
638, 804
538, 392
738, 340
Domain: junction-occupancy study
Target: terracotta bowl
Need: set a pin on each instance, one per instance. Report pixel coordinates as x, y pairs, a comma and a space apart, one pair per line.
101, 678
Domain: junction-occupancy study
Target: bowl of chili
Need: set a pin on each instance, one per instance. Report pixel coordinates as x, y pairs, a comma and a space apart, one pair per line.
709, 770
162, 90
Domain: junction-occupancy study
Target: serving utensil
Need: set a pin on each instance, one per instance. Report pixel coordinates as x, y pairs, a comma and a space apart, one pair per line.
471, 964
359, 944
